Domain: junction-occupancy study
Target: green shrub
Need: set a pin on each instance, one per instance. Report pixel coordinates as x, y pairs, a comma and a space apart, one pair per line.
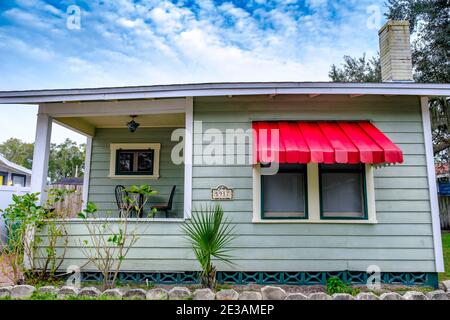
210, 235
26, 225
110, 240
336, 285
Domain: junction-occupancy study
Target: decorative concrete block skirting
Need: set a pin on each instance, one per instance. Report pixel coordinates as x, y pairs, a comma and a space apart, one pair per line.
183, 293
271, 278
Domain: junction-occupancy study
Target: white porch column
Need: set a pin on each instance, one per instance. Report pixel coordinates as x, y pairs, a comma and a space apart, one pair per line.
87, 170
41, 154
431, 173
188, 140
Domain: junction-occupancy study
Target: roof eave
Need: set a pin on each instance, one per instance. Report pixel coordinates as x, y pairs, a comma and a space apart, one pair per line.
221, 89
14, 166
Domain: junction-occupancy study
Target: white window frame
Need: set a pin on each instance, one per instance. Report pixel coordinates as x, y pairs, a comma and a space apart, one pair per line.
134, 146
314, 199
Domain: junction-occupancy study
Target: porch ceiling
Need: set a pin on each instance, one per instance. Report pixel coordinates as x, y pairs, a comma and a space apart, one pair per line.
88, 124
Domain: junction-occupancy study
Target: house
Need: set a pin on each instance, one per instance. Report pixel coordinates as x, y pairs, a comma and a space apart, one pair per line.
441, 171
12, 174
443, 188
14, 179
320, 179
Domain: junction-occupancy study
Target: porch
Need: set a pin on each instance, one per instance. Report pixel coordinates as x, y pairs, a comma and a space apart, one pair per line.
119, 157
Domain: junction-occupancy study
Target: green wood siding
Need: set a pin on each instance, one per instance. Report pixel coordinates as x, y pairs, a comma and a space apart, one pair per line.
101, 190
401, 241
402, 200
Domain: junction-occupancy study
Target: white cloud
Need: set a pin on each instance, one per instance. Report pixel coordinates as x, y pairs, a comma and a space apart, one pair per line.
168, 18
123, 42
25, 18
316, 4
131, 24
25, 49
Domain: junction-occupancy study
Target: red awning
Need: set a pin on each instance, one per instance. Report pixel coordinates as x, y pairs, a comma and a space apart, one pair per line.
322, 142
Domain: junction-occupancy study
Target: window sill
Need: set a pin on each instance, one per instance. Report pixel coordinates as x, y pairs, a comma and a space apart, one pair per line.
132, 177
328, 221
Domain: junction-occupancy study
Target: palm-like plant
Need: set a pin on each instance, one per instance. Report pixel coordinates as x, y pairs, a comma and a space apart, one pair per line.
210, 235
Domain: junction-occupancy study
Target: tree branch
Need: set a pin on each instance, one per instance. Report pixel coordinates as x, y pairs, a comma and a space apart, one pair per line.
444, 144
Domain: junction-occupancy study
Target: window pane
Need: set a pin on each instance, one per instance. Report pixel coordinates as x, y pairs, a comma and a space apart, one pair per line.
342, 193
145, 161
125, 162
284, 193
18, 180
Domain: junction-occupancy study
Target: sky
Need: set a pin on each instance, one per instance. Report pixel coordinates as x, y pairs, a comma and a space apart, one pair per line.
96, 43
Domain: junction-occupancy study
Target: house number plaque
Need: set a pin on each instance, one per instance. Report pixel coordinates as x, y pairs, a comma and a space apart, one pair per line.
222, 193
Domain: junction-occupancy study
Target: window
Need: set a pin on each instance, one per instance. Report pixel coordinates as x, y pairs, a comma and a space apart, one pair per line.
342, 191
135, 160
314, 193
18, 179
284, 193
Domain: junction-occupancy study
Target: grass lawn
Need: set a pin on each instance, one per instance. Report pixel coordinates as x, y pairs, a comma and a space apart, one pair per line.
446, 249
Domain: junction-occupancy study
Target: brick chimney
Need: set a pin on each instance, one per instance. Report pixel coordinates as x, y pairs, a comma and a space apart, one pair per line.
395, 52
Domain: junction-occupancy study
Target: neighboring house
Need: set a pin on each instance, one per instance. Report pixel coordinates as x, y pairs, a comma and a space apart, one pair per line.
355, 192
12, 174
442, 171
442, 175
14, 179
69, 181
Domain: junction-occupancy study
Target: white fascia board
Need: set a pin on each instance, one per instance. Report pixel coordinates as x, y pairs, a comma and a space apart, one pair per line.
222, 89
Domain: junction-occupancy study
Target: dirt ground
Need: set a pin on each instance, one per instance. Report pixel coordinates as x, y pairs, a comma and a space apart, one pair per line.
4, 280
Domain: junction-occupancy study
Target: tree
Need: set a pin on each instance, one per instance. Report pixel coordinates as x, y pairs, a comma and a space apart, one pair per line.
430, 27
65, 160
357, 70
17, 151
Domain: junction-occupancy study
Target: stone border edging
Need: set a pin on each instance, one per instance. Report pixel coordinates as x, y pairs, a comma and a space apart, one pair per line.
183, 293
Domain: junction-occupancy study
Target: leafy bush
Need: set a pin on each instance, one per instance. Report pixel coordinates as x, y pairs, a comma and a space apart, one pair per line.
20, 218
110, 240
210, 235
26, 222
336, 285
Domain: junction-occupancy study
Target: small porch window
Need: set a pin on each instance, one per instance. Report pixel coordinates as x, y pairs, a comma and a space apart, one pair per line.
135, 160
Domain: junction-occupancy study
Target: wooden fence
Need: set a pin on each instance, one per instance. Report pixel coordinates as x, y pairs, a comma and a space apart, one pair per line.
444, 212
73, 202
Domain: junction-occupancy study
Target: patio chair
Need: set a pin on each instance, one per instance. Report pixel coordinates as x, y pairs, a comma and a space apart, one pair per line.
123, 202
166, 207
